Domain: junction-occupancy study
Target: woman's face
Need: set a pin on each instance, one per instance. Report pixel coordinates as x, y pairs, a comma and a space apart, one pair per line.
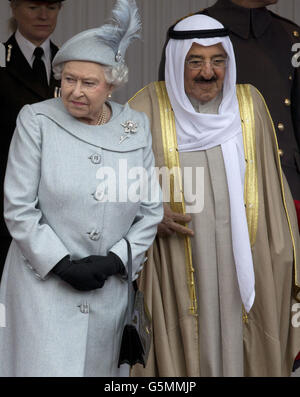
36, 20
84, 90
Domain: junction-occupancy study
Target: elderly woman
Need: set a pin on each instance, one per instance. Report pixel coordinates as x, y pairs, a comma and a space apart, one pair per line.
69, 204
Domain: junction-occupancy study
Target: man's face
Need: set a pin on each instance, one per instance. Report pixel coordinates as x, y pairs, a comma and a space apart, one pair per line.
36, 20
206, 83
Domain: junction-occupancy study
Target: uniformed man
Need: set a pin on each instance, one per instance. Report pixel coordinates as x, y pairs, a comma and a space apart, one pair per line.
26, 77
263, 44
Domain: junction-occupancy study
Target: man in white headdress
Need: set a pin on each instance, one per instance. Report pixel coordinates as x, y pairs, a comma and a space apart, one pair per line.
222, 283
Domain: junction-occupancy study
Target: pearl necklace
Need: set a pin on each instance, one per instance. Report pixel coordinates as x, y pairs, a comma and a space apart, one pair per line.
102, 119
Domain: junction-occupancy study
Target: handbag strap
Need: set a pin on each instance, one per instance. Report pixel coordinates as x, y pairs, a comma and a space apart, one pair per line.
129, 281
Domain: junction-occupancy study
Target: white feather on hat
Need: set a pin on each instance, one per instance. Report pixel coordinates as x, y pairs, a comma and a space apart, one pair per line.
107, 44
125, 28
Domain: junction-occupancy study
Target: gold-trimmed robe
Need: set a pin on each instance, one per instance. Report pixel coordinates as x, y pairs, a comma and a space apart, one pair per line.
270, 340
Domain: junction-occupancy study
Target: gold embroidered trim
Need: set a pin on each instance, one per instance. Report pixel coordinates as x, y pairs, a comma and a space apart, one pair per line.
245, 316
282, 190
251, 183
137, 93
171, 156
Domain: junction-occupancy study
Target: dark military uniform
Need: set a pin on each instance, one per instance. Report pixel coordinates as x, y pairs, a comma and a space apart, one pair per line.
262, 43
18, 88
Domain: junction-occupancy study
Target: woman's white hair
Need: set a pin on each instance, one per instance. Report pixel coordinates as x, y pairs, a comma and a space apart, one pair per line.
115, 75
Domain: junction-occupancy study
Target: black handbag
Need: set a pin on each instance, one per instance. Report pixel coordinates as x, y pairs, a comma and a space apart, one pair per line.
136, 337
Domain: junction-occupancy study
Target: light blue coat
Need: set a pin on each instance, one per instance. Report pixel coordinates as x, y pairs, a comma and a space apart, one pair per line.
55, 206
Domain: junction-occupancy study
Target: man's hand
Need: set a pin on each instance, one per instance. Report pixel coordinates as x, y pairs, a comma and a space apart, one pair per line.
169, 225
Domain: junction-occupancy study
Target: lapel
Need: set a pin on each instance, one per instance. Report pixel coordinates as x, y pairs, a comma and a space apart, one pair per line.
18, 67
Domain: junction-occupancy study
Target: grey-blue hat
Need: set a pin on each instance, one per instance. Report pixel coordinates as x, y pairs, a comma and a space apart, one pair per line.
107, 44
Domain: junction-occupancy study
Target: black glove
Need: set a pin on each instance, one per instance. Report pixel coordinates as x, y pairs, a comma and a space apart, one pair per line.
110, 265
88, 273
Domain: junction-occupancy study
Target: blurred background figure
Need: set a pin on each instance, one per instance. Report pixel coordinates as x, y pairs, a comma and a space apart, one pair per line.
27, 77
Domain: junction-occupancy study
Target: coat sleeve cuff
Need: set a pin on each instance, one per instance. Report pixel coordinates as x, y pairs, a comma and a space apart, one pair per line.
43, 267
120, 249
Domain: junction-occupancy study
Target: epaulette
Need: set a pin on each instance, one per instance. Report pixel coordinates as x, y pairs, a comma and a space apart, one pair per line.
291, 27
8, 53
5, 53
284, 19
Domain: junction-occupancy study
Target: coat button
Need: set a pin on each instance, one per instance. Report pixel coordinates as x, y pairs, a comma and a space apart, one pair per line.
99, 195
84, 308
290, 77
280, 152
94, 235
296, 33
287, 102
281, 127
95, 158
